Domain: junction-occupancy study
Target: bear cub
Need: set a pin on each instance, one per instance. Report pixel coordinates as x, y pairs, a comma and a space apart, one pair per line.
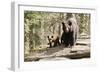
53, 40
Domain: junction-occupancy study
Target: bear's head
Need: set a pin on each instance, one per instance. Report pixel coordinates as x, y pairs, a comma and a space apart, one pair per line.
53, 40
67, 27
50, 39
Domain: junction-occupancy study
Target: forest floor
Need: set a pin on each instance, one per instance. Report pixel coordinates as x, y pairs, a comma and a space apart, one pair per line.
79, 51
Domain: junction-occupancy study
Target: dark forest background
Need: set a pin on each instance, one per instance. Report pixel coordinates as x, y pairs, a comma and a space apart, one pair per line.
38, 25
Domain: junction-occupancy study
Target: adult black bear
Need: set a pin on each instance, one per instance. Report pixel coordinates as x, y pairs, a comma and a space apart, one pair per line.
53, 40
70, 31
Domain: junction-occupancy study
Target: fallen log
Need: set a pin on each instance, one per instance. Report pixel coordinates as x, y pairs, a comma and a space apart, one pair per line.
71, 55
77, 55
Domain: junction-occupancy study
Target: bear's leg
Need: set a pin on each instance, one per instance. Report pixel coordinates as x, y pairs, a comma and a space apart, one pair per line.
63, 38
67, 42
72, 39
50, 45
62, 42
59, 43
55, 43
75, 37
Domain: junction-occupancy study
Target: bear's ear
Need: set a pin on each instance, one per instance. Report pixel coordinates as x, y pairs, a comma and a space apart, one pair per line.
69, 23
63, 23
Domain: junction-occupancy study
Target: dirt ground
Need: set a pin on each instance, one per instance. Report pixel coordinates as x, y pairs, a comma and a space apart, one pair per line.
79, 51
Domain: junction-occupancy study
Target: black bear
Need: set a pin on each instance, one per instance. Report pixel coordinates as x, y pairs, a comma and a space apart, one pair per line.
70, 31
53, 40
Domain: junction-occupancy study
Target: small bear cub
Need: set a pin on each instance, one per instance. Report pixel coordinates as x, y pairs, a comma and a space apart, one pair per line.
53, 40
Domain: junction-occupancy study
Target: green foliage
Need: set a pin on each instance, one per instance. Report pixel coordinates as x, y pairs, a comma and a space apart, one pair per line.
84, 23
38, 25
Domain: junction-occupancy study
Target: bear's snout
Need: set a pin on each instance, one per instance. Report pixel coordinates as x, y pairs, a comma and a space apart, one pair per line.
67, 30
